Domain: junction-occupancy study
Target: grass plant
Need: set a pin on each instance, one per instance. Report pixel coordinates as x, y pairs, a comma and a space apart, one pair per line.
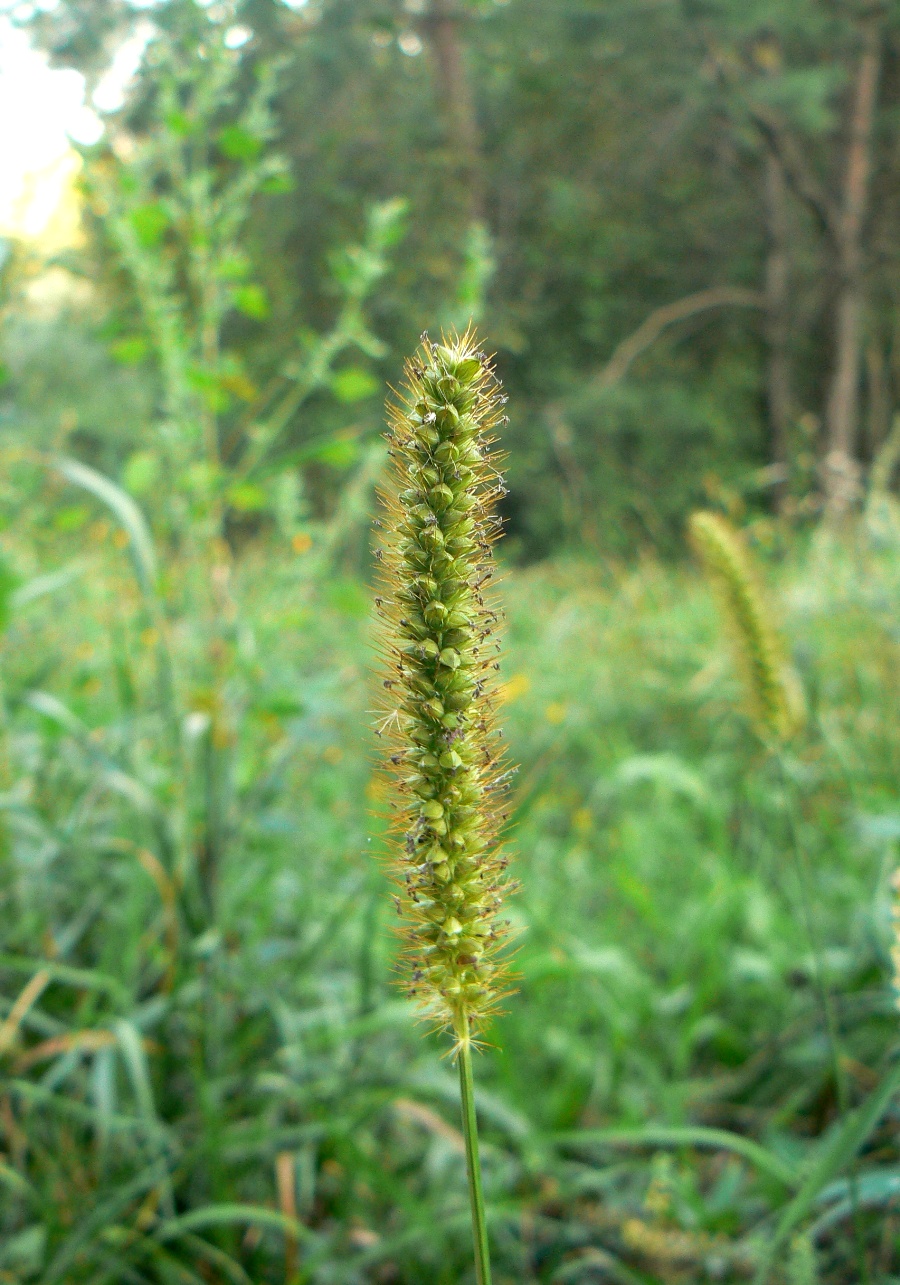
774, 698
440, 644
775, 702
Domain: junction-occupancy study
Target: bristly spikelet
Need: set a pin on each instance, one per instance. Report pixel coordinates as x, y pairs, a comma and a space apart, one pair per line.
774, 695
439, 641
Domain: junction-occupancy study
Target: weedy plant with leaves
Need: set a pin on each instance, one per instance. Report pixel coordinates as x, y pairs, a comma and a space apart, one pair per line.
173, 188
440, 642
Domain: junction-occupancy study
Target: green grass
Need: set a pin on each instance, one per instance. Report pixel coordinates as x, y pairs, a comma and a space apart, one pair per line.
194, 871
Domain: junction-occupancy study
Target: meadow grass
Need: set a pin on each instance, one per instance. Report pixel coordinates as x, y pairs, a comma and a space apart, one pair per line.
213, 1076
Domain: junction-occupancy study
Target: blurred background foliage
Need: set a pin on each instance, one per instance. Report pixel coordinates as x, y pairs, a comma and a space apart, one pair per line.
572, 173
675, 223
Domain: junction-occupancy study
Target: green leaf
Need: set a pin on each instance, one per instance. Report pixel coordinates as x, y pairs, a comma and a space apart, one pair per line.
832, 1155
180, 123
226, 1264
239, 144
69, 1108
71, 517
123, 507
24, 1250
801, 1265
665, 771
130, 351
230, 1215
339, 452
234, 267
103, 1090
592, 1260
9, 582
40, 586
251, 301
90, 1226
687, 1136
14, 1181
247, 497
874, 1189
58, 713
278, 183
279, 704
354, 384
150, 222
135, 1059
387, 222
80, 978
210, 387
141, 472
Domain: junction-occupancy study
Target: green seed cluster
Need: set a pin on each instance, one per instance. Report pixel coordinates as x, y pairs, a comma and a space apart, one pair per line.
774, 695
441, 650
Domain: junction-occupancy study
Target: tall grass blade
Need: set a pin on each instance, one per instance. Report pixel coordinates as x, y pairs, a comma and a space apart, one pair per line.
835, 1152
687, 1136
126, 512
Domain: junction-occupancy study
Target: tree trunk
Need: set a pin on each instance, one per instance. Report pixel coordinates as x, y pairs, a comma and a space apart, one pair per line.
842, 410
778, 324
442, 25
878, 398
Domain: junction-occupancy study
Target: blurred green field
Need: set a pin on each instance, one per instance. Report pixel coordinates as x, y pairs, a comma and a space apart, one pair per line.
207, 1072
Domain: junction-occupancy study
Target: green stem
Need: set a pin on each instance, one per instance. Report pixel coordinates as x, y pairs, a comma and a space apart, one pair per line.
473, 1164
832, 1030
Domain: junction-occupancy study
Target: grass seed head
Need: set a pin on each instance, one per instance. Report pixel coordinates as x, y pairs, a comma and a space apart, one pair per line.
439, 625
774, 696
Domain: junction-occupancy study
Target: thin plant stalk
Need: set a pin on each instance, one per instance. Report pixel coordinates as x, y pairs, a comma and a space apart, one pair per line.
826, 1001
473, 1164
